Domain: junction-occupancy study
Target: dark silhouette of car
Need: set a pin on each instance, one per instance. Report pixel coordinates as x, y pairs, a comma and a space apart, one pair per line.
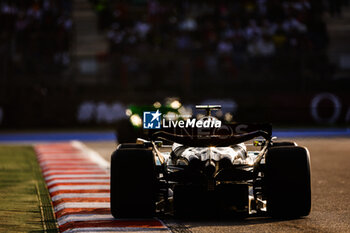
237, 168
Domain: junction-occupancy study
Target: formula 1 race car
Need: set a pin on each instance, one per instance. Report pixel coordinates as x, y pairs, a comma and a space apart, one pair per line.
237, 168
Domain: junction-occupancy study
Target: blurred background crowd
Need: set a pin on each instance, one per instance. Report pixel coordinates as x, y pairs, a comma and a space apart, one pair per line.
166, 41
35, 35
139, 49
221, 38
202, 41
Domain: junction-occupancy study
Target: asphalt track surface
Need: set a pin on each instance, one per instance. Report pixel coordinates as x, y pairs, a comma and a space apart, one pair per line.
330, 164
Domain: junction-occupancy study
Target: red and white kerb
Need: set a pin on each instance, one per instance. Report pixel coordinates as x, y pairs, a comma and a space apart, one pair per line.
79, 185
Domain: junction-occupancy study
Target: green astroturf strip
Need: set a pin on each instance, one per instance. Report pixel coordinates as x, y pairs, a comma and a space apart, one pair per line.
25, 204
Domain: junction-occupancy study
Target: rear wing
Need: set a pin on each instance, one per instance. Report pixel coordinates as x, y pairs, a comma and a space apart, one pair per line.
226, 129
211, 140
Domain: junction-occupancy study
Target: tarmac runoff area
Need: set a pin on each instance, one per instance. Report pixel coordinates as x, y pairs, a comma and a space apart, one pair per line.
330, 185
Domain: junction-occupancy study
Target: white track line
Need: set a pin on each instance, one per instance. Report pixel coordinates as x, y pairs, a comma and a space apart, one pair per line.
94, 156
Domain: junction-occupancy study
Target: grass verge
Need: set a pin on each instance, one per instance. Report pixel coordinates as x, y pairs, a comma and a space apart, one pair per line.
25, 204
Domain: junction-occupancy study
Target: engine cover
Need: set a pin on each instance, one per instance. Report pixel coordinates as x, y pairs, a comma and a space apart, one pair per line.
236, 154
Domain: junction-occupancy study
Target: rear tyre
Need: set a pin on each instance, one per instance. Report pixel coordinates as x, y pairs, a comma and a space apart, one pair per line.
133, 183
288, 184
